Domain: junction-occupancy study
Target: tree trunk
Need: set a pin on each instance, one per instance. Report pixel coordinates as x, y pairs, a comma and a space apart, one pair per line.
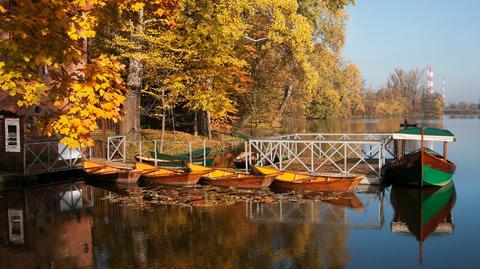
163, 121
134, 83
208, 125
286, 97
244, 121
202, 123
195, 123
173, 120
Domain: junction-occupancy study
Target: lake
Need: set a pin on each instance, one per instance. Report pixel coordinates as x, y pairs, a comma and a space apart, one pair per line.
70, 224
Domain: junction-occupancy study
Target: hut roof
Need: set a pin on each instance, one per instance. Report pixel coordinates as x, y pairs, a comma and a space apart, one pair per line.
8, 103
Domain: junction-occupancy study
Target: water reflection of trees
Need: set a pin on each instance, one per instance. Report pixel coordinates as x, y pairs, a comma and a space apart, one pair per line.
74, 226
226, 237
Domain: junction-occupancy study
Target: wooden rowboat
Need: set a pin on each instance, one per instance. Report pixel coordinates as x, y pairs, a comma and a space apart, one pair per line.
195, 154
240, 160
153, 175
111, 172
225, 178
423, 167
299, 181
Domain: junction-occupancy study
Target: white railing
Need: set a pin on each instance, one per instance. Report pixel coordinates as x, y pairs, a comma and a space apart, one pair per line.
343, 152
155, 147
116, 149
50, 156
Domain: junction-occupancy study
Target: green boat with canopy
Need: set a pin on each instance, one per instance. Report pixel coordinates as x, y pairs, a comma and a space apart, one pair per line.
423, 167
429, 134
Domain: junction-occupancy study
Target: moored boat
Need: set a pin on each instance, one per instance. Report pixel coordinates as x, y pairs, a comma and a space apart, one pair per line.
423, 167
111, 172
195, 154
224, 178
299, 181
241, 160
173, 163
154, 175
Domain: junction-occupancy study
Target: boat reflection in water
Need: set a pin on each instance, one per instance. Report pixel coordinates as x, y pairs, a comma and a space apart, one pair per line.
423, 212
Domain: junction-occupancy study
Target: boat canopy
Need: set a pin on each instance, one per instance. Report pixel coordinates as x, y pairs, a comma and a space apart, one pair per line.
430, 134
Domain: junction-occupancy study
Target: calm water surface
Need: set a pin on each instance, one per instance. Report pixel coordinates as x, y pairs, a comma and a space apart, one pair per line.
72, 225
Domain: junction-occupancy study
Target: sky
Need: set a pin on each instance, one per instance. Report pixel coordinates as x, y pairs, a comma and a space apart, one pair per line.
384, 34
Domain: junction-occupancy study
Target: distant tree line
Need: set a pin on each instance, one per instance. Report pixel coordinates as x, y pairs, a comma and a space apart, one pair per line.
462, 108
405, 93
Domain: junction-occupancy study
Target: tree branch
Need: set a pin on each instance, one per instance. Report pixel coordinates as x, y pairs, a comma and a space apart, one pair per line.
256, 40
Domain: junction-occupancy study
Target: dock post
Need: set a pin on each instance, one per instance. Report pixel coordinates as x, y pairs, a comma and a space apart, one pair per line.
204, 153
380, 158
155, 151
124, 149
140, 149
108, 149
190, 150
345, 157
246, 157
249, 154
280, 154
311, 158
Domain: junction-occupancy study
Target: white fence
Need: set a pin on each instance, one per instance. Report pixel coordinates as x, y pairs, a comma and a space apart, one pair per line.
312, 153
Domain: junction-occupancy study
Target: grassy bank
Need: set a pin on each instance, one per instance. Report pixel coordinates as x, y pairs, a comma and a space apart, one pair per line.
178, 142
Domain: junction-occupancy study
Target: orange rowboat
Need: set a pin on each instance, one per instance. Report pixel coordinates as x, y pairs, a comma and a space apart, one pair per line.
225, 178
154, 175
299, 181
111, 172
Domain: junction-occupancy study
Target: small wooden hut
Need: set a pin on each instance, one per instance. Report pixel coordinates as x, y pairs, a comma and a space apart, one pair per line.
16, 125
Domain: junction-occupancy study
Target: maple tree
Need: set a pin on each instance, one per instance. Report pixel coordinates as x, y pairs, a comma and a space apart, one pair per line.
44, 60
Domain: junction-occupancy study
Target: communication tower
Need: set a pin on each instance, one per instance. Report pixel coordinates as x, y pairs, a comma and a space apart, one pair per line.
430, 85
